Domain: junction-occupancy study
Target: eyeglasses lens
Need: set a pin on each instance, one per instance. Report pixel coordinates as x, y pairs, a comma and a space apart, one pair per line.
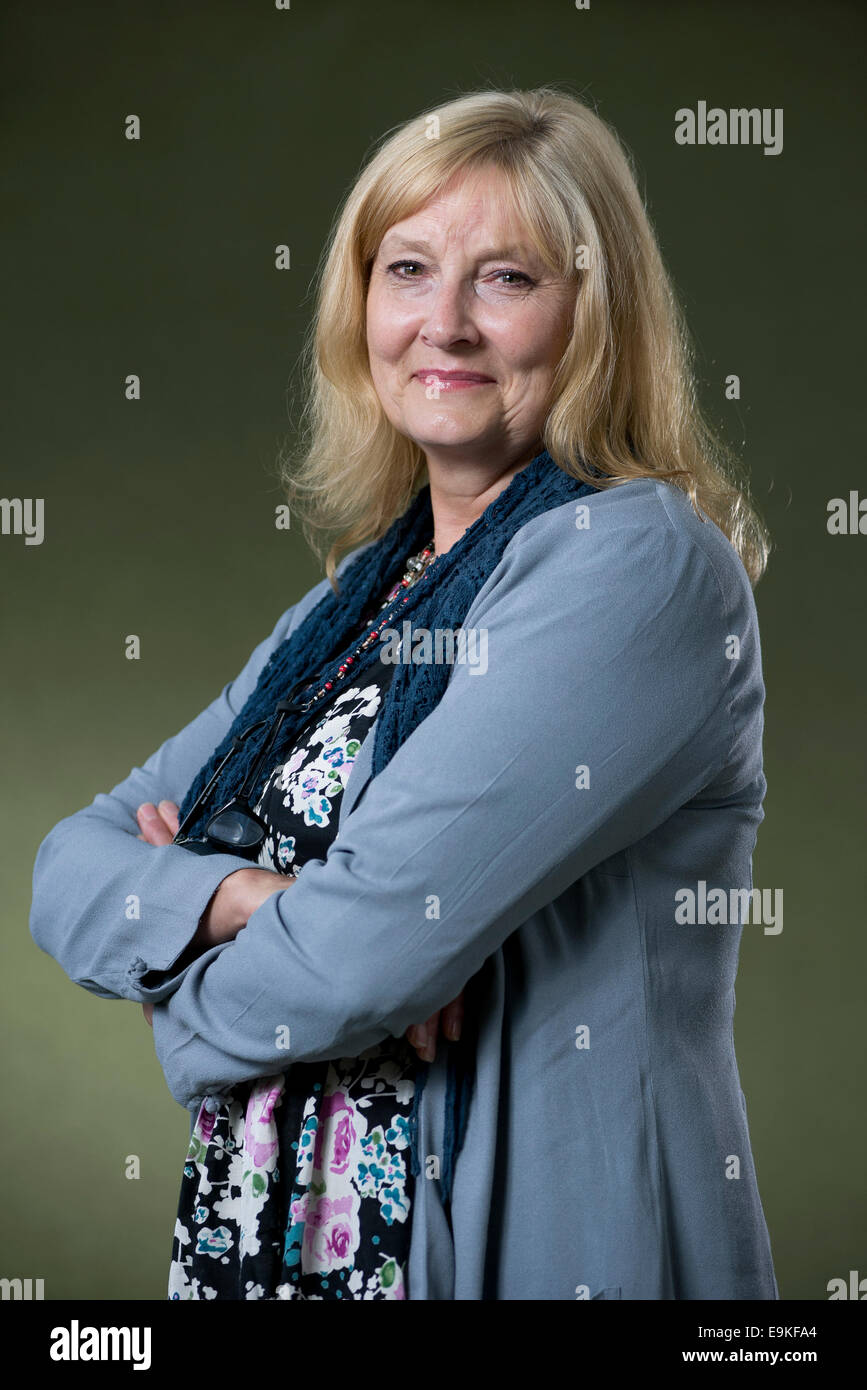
236, 829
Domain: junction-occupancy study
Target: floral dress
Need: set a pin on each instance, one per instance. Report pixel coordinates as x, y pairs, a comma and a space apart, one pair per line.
298, 1185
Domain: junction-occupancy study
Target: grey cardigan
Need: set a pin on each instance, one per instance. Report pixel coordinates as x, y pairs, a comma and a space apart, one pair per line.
534, 830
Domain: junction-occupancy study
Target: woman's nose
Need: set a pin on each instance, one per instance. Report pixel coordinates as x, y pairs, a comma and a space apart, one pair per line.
450, 318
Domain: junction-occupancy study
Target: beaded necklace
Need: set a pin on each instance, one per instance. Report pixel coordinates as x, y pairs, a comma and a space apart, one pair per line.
416, 567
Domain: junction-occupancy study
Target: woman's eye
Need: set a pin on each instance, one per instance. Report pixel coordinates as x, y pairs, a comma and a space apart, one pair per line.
516, 277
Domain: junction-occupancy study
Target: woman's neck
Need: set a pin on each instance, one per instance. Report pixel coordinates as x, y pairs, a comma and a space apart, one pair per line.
460, 493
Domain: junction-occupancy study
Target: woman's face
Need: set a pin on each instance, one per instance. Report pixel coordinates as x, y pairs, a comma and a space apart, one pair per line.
458, 288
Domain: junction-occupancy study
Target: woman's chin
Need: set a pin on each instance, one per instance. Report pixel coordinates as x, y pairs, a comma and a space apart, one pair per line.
446, 431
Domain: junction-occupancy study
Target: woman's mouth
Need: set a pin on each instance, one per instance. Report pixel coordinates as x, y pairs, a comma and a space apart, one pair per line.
452, 381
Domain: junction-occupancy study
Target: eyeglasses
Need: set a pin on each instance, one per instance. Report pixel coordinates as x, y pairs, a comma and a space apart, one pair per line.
236, 828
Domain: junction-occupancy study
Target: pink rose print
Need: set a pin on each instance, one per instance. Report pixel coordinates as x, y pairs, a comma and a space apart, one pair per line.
260, 1135
298, 1209
205, 1124
332, 1232
335, 1134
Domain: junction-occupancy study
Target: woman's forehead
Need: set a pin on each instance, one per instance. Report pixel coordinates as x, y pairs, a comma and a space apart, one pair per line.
484, 211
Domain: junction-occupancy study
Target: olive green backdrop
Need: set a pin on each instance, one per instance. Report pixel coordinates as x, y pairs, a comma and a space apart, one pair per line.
157, 258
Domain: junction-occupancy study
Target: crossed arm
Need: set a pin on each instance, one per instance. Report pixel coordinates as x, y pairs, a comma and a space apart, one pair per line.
235, 901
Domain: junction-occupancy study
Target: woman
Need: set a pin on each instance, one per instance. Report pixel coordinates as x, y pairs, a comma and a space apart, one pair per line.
540, 664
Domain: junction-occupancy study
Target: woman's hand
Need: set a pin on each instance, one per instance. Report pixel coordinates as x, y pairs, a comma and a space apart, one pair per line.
159, 824
234, 903
235, 899
423, 1036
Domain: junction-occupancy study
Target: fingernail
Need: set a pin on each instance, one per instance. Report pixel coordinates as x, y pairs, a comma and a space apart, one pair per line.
149, 812
453, 1030
429, 1052
419, 1036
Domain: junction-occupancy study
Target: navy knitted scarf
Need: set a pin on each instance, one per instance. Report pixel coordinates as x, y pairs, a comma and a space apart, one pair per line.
330, 632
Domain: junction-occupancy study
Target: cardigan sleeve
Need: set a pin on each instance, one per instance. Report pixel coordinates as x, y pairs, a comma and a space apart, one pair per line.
606, 651
112, 909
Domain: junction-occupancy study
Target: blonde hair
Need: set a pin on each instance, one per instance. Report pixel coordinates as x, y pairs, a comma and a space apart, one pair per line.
623, 398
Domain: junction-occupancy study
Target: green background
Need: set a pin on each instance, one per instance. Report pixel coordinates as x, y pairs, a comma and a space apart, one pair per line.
156, 257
